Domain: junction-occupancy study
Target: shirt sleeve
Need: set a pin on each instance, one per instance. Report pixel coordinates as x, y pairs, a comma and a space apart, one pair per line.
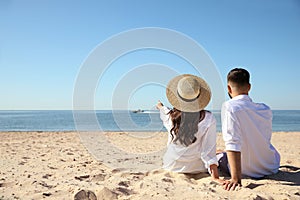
231, 130
208, 152
165, 117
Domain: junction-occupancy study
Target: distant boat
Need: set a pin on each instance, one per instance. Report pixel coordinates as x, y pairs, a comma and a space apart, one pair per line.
138, 111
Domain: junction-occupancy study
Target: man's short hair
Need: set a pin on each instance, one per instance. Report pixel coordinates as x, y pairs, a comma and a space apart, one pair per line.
239, 76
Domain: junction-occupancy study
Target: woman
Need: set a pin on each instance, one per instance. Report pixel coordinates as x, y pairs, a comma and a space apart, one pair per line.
192, 130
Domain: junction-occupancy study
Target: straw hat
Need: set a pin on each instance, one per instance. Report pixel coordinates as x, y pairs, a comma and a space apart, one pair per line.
188, 93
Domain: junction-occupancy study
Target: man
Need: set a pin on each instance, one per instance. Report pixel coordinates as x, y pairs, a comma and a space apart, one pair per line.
247, 130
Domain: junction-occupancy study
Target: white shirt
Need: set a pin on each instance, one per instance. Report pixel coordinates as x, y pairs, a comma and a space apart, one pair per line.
247, 128
196, 157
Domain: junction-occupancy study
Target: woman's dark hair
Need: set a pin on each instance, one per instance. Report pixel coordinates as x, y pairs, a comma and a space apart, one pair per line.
185, 125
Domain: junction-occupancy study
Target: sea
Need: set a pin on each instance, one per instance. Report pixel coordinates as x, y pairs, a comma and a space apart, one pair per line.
114, 120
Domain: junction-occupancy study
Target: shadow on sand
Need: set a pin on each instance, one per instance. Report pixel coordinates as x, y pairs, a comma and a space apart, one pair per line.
288, 175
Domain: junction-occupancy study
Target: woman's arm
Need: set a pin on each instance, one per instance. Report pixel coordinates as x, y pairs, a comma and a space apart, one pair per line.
164, 116
215, 174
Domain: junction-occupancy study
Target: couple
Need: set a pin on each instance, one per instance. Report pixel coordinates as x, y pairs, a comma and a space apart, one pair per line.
246, 129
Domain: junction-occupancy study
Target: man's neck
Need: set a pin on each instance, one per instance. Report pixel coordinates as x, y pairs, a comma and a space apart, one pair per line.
237, 94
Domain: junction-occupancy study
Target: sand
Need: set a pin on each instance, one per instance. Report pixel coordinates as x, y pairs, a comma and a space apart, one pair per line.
57, 165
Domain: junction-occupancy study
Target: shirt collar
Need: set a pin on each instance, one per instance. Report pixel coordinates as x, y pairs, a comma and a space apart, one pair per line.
242, 97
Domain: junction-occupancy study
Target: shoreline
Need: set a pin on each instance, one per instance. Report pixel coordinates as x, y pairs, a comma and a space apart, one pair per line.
56, 165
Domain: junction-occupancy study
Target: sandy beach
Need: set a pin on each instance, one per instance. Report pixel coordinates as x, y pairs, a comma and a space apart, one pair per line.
57, 165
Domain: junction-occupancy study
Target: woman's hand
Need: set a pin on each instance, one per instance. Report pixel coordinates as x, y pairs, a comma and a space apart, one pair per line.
159, 105
219, 181
215, 174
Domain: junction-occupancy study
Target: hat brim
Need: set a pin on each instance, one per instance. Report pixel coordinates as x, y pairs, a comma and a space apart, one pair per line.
191, 106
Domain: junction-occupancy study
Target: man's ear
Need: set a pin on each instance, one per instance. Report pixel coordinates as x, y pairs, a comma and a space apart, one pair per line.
229, 89
249, 87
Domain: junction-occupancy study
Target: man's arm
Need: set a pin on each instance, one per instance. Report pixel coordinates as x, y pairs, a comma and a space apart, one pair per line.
234, 160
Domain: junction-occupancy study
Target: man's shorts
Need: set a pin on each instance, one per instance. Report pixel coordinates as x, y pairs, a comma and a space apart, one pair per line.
223, 163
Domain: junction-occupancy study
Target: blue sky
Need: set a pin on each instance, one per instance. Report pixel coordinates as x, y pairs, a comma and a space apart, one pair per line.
43, 45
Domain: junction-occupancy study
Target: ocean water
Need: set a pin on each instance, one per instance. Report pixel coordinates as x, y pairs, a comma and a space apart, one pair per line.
283, 120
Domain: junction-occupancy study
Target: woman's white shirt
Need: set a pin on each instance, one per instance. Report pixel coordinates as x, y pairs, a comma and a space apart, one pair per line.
196, 157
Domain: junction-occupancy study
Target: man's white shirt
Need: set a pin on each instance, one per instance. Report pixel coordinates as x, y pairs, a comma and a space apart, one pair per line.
247, 128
